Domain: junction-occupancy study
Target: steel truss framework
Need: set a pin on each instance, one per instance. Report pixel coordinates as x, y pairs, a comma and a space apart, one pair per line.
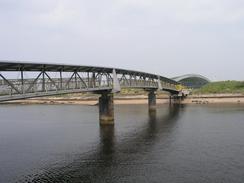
53, 79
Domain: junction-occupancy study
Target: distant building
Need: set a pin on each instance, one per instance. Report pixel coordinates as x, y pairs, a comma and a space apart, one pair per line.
192, 80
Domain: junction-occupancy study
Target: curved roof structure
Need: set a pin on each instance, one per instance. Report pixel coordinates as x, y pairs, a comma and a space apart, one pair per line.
192, 80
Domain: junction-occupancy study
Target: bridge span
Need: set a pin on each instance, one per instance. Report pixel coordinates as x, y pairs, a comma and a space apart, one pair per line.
22, 80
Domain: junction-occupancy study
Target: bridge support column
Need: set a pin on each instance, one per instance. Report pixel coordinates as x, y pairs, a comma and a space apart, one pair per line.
175, 99
152, 100
106, 109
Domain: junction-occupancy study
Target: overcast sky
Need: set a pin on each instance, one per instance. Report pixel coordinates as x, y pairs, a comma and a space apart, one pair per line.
166, 37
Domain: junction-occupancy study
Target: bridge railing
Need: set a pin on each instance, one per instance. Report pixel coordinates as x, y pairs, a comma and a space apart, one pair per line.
32, 86
44, 83
168, 86
138, 83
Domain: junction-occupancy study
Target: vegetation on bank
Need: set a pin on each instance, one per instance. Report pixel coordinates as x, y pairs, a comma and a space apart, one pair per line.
122, 93
235, 87
221, 87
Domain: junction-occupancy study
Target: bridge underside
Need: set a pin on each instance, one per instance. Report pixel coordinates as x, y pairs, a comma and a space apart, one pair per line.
29, 80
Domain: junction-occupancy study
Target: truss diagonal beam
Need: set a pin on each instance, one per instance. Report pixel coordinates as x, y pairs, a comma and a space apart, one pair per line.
51, 80
84, 83
10, 84
32, 84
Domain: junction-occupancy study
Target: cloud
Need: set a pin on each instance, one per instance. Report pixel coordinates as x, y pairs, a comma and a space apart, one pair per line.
138, 34
58, 15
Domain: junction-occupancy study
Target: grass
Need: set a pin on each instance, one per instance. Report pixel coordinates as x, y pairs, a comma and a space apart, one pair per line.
132, 91
221, 87
123, 92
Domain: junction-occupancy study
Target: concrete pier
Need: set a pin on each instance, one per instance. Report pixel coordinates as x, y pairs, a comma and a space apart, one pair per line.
176, 99
152, 100
106, 109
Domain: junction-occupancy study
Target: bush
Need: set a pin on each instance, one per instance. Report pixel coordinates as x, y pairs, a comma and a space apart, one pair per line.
221, 87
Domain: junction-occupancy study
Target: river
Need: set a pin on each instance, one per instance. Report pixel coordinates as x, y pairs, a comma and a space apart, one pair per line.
64, 144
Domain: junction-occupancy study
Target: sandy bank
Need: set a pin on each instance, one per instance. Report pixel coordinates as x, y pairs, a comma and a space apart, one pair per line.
214, 98
139, 99
84, 101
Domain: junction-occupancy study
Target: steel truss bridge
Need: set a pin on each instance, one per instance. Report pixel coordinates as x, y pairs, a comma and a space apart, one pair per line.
21, 80
36, 80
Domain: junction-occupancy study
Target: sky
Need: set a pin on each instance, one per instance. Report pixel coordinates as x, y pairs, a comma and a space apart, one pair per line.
166, 37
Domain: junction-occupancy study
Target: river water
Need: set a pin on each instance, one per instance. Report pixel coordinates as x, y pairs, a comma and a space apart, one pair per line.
64, 143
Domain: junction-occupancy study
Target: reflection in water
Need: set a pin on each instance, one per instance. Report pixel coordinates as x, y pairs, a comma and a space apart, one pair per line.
152, 115
107, 139
194, 143
113, 160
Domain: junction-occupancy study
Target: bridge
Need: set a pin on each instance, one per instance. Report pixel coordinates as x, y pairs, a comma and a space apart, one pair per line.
22, 80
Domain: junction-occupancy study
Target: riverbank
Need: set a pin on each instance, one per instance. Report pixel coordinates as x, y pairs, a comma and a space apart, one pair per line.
214, 99
135, 99
93, 100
